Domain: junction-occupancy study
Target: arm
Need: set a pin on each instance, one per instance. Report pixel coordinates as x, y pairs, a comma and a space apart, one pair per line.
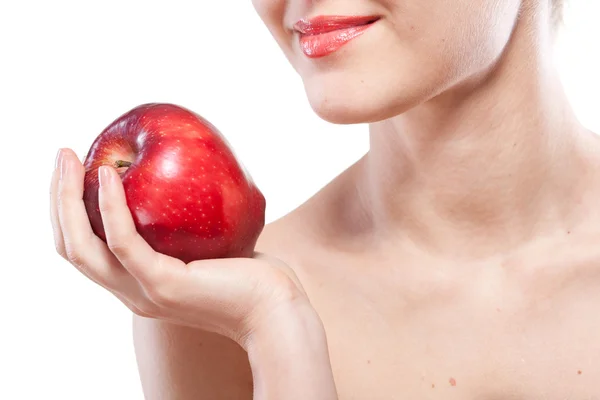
183, 363
256, 302
289, 356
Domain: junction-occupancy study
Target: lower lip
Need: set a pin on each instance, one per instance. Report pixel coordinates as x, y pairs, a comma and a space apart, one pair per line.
321, 45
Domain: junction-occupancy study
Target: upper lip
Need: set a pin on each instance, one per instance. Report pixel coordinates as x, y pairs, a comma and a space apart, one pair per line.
325, 23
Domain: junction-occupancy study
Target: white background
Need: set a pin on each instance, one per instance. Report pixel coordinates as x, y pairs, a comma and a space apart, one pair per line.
68, 68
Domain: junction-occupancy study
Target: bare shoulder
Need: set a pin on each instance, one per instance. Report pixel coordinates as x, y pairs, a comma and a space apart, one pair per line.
564, 271
277, 237
313, 223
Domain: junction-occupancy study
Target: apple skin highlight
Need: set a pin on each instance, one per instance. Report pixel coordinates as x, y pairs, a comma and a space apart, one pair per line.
190, 198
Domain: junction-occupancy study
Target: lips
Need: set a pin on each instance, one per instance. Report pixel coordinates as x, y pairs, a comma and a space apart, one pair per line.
324, 35
325, 24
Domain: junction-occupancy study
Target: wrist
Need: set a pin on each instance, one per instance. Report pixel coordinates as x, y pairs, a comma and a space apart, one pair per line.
288, 355
292, 320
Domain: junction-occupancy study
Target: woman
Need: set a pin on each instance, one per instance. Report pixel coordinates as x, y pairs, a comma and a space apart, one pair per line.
458, 259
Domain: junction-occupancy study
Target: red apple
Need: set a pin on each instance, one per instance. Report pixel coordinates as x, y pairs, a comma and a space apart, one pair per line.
189, 196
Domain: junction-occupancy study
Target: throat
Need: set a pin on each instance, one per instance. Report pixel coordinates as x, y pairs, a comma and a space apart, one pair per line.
474, 196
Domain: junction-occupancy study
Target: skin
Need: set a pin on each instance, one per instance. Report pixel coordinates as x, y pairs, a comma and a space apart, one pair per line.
458, 259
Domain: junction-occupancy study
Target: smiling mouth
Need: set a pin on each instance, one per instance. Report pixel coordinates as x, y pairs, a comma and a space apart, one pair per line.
325, 24
325, 35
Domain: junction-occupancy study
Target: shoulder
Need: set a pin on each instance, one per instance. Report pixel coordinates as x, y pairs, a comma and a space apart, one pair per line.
314, 222
276, 236
563, 265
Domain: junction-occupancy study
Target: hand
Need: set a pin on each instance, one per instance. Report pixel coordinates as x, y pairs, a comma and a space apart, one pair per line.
226, 296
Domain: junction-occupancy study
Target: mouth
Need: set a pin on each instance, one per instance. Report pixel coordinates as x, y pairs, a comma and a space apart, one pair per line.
325, 24
324, 35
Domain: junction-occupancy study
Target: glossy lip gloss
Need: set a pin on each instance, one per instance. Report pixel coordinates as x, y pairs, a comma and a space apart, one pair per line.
324, 35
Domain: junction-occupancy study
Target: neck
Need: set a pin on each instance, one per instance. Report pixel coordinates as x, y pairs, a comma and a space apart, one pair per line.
483, 167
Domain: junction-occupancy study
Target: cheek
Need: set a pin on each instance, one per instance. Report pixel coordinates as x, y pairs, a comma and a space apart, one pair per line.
486, 29
464, 39
272, 13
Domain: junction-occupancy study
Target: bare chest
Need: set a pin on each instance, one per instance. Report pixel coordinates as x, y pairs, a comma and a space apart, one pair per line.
473, 364
463, 342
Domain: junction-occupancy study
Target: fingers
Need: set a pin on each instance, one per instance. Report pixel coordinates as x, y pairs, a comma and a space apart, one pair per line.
76, 241
134, 253
58, 235
75, 226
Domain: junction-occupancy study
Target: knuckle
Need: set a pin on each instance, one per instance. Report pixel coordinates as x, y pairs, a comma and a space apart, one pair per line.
64, 194
119, 245
73, 254
99, 275
105, 206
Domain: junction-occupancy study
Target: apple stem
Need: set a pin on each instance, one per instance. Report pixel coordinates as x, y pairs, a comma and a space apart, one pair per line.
121, 163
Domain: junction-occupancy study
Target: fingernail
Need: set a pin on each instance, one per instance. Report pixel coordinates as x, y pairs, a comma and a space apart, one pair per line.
104, 175
57, 159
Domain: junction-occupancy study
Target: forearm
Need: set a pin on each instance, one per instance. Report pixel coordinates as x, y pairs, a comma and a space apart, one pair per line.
177, 362
289, 357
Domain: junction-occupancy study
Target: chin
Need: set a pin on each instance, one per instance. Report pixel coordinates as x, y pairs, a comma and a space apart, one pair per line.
346, 104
